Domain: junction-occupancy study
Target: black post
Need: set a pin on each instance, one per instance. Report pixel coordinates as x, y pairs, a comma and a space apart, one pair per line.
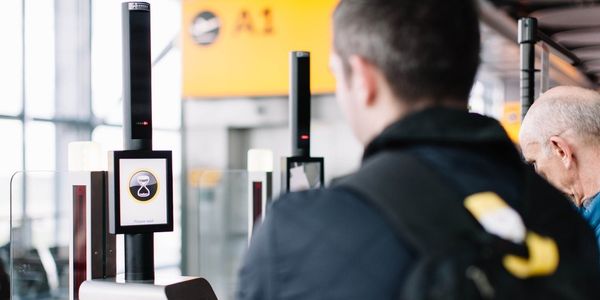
137, 122
300, 102
527, 40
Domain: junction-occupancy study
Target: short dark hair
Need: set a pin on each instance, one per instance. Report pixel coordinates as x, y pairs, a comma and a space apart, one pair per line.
424, 48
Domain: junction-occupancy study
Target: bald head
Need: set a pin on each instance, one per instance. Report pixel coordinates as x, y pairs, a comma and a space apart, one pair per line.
560, 136
563, 110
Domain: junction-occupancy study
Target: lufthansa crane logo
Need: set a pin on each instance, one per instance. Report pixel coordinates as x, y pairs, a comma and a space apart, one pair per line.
143, 186
205, 28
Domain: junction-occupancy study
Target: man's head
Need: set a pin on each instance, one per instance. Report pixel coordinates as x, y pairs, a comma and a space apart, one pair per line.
560, 136
391, 57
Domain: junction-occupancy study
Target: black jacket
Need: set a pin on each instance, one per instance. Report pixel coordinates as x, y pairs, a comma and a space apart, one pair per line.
331, 244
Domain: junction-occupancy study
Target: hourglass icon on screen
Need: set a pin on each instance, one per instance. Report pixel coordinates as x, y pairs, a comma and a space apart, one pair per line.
143, 185
143, 180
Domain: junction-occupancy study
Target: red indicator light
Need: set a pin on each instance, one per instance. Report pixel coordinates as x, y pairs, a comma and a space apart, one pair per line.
145, 123
304, 137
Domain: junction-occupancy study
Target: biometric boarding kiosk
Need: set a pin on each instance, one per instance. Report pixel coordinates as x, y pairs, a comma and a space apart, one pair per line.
140, 182
300, 171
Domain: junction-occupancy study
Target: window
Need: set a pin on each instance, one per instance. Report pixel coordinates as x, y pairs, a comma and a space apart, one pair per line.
36, 124
40, 146
39, 58
11, 58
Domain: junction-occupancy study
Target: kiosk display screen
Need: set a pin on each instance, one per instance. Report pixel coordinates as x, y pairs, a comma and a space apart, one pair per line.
142, 200
143, 192
304, 173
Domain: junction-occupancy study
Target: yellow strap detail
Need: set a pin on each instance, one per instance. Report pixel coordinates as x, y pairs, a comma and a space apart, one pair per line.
543, 258
484, 203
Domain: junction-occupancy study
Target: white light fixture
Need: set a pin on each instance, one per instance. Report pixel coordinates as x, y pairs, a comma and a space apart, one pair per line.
85, 156
260, 160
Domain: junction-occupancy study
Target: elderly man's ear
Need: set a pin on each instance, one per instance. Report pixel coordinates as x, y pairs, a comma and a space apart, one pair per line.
563, 150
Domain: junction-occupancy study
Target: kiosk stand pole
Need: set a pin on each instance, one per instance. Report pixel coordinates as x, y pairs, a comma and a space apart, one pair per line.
137, 122
139, 257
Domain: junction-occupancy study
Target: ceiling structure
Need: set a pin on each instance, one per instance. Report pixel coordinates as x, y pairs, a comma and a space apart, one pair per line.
572, 24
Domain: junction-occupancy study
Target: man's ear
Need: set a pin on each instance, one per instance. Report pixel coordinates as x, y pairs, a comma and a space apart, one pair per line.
363, 79
564, 150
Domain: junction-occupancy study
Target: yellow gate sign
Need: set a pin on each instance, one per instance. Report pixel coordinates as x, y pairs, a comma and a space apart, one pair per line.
511, 119
241, 47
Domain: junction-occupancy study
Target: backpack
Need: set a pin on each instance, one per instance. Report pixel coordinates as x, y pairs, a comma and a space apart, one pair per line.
548, 253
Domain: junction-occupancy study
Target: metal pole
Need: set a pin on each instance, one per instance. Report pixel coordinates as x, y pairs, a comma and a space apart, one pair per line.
527, 40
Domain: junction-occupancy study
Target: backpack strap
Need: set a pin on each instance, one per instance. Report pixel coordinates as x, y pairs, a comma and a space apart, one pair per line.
422, 208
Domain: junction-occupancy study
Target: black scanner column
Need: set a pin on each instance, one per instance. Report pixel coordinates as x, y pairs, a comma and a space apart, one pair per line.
300, 102
137, 122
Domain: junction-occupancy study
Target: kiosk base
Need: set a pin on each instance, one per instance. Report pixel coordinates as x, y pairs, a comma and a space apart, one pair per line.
175, 288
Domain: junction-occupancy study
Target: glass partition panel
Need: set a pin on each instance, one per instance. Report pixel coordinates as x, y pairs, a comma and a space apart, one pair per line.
221, 198
39, 236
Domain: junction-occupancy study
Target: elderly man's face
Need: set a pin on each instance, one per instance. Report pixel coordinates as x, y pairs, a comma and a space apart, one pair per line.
549, 166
